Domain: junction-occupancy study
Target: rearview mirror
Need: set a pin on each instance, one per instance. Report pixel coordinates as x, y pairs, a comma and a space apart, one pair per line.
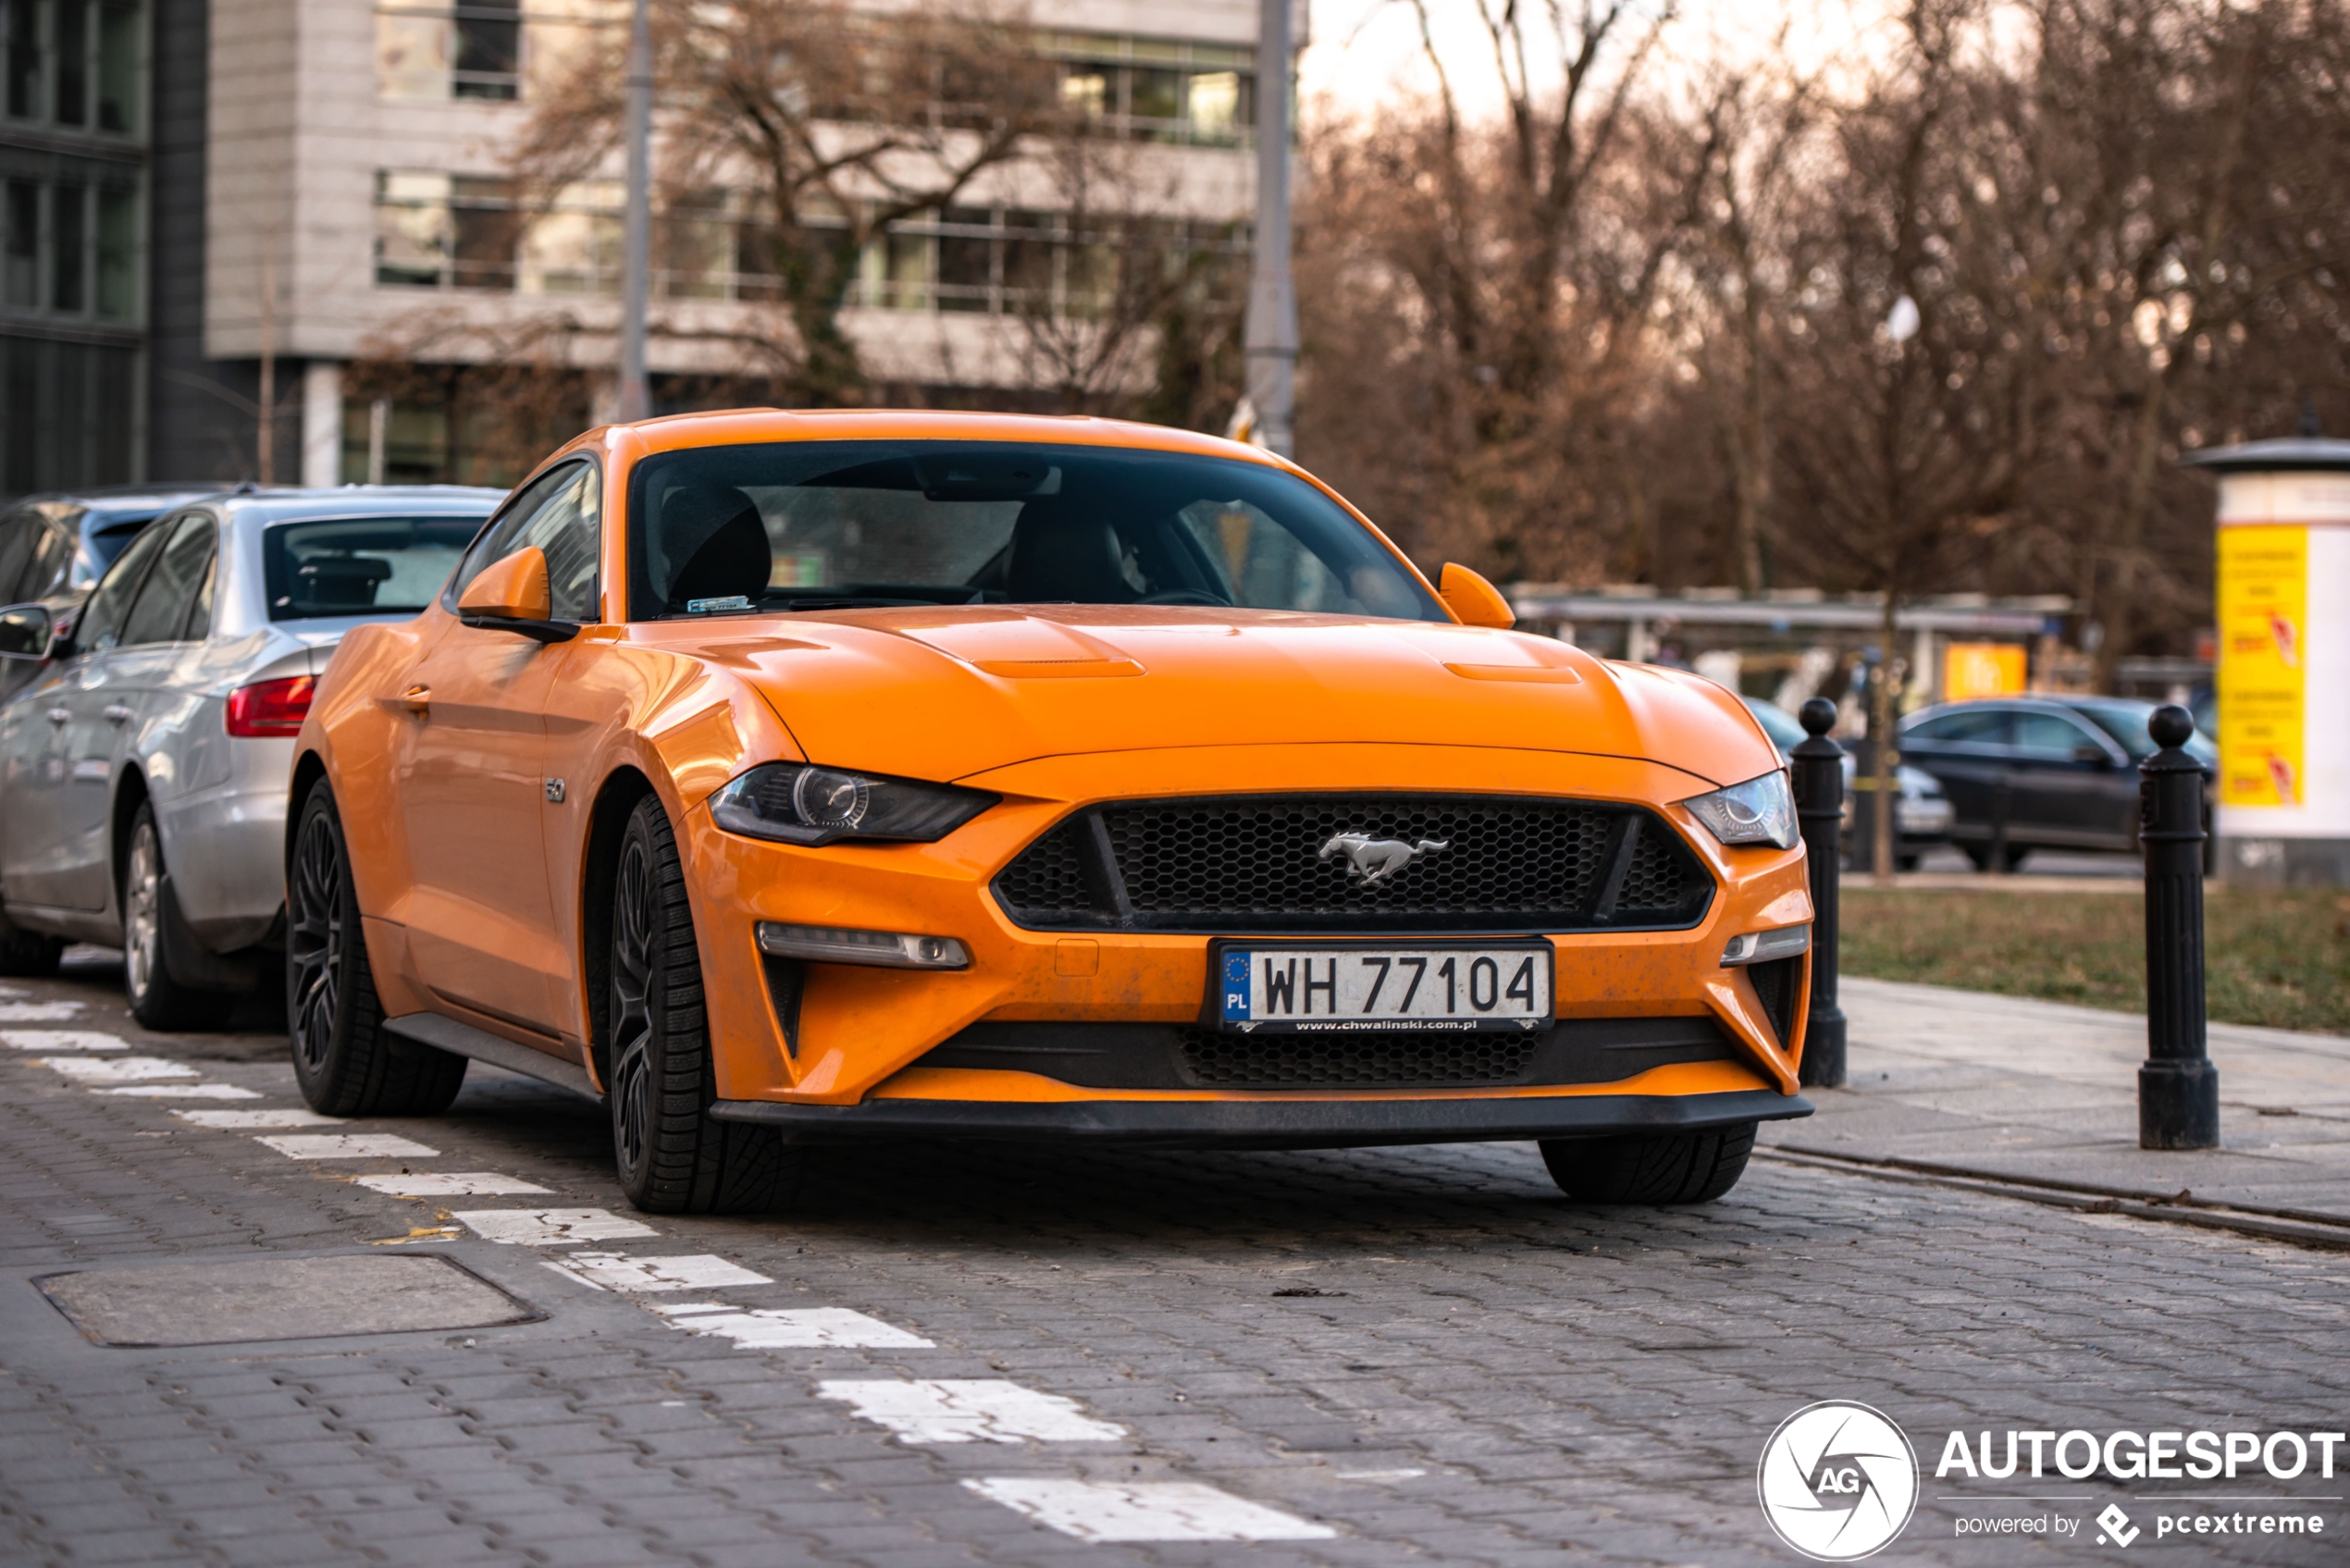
512, 596
25, 631
1475, 600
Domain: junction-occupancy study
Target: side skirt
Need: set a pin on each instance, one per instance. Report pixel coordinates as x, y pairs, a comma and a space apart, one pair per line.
464, 1040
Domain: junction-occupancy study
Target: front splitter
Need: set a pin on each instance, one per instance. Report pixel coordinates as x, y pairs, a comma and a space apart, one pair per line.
1269, 1124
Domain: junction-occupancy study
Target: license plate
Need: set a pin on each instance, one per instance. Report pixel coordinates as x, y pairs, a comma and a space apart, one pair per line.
1297, 989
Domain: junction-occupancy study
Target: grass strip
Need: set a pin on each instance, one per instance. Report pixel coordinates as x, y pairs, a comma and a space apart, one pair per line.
2278, 959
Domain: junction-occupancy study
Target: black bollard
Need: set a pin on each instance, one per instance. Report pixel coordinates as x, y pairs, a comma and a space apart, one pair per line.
2178, 1087
1819, 807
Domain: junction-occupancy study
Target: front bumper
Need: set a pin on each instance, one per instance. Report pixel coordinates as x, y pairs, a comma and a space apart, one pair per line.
1288, 1123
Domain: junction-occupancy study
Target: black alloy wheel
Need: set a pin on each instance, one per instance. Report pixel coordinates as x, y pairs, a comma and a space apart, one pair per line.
346, 1062
157, 1000
673, 1155
1651, 1168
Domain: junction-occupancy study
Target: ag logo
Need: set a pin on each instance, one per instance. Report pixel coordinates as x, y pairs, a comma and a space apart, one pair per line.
1838, 1481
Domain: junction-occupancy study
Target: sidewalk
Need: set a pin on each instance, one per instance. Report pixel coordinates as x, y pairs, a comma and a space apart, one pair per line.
2022, 1090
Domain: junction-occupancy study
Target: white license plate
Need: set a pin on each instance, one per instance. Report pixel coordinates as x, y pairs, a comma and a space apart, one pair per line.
1299, 989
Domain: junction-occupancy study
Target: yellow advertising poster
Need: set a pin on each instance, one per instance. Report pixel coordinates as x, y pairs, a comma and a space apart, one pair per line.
2264, 603
1981, 669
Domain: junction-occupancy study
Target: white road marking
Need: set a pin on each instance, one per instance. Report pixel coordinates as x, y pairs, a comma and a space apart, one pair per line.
347, 1146
447, 1184
116, 1069
965, 1410
12, 991
790, 1328
1379, 1474
60, 1040
186, 1092
1144, 1511
276, 1117
550, 1228
37, 1012
698, 1271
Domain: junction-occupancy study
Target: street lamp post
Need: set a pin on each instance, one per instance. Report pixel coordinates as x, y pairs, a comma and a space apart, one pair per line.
635, 400
1272, 336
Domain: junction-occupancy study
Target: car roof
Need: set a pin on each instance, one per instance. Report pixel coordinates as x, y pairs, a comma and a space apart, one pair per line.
293, 505
101, 506
742, 426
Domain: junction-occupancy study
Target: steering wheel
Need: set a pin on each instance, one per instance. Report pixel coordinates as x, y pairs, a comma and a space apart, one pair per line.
1187, 596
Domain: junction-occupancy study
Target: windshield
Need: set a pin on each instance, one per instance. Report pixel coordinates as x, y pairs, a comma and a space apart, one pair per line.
2126, 721
361, 565
807, 525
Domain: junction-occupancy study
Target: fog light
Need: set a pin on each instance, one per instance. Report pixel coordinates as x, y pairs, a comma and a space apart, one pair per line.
885, 949
1761, 946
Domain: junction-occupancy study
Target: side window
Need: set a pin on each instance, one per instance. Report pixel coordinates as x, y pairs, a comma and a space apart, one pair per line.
161, 609
44, 573
17, 535
1978, 726
100, 627
563, 514
2049, 734
199, 623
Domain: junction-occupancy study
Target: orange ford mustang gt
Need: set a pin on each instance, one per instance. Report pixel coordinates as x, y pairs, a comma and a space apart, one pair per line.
787, 778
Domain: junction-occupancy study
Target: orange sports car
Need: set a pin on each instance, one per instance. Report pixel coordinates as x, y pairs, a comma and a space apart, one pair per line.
788, 778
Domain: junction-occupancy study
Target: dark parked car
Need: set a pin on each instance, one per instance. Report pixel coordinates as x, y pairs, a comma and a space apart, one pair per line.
54, 547
2062, 770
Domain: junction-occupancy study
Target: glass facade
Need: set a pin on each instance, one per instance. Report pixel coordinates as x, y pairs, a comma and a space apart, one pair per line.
73, 183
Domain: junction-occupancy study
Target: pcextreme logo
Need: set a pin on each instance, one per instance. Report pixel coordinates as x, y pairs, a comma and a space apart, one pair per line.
1838, 1480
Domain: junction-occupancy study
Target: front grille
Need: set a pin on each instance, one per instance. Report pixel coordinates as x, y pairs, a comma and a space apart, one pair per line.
1400, 1060
1509, 863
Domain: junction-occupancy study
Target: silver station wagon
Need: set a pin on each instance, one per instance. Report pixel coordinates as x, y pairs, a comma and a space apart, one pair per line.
143, 767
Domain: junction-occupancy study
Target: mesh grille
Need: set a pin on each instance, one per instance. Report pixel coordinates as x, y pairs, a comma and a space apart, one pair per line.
1240, 864
1354, 1061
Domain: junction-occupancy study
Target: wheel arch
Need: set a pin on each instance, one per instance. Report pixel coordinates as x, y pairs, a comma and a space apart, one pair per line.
130, 793
308, 769
616, 798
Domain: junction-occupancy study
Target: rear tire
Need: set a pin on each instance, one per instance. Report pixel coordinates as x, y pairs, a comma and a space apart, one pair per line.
346, 1062
157, 1001
1653, 1167
674, 1156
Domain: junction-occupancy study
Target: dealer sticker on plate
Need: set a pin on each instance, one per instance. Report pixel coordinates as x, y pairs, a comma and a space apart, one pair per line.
1302, 989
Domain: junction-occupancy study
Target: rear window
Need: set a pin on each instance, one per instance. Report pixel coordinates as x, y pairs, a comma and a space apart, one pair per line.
361, 565
2127, 721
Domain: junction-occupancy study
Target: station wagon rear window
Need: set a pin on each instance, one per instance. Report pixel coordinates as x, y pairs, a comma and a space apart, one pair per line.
361, 565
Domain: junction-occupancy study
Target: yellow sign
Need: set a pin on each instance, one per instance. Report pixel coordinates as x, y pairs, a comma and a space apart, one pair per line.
1981, 669
2264, 604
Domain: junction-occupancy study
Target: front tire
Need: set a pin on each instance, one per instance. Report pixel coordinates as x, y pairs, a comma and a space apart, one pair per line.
157, 1001
674, 1156
1651, 1168
347, 1064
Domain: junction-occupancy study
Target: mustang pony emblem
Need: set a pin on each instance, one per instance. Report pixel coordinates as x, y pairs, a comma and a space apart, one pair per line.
1376, 860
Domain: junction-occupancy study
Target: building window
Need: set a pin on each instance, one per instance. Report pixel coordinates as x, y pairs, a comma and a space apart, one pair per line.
74, 63
118, 254
66, 244
1157, 90
21, 287
472, 50
444, 230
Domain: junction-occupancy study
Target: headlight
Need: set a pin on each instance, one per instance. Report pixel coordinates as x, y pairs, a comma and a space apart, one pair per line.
803, 805
1758, 811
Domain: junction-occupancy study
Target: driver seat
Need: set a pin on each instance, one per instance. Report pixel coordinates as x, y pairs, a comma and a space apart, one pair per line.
1063, 550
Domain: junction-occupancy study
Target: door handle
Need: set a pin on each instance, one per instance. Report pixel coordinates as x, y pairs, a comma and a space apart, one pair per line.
418, 699
60, 715
116, 713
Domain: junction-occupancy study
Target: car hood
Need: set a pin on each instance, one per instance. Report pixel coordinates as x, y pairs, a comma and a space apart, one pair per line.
947, 693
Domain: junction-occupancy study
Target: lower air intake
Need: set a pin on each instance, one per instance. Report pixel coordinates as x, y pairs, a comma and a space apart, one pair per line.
1400, 1060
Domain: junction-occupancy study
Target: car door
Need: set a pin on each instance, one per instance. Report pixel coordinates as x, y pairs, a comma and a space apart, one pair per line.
146, 662
1965, 748
472, 787
58, 750
2065, 775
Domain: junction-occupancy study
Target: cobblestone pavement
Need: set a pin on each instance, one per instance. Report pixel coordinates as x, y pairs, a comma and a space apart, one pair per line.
1416, 1355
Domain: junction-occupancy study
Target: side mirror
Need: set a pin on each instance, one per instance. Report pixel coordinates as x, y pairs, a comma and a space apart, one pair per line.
2092, 755
1475, 600
25, 631
512, 596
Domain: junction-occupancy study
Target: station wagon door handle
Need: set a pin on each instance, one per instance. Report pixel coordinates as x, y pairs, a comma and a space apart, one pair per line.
60, 715
418, 699
116, 713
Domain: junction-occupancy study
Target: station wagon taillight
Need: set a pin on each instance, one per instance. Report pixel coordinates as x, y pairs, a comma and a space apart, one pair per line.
270, 708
